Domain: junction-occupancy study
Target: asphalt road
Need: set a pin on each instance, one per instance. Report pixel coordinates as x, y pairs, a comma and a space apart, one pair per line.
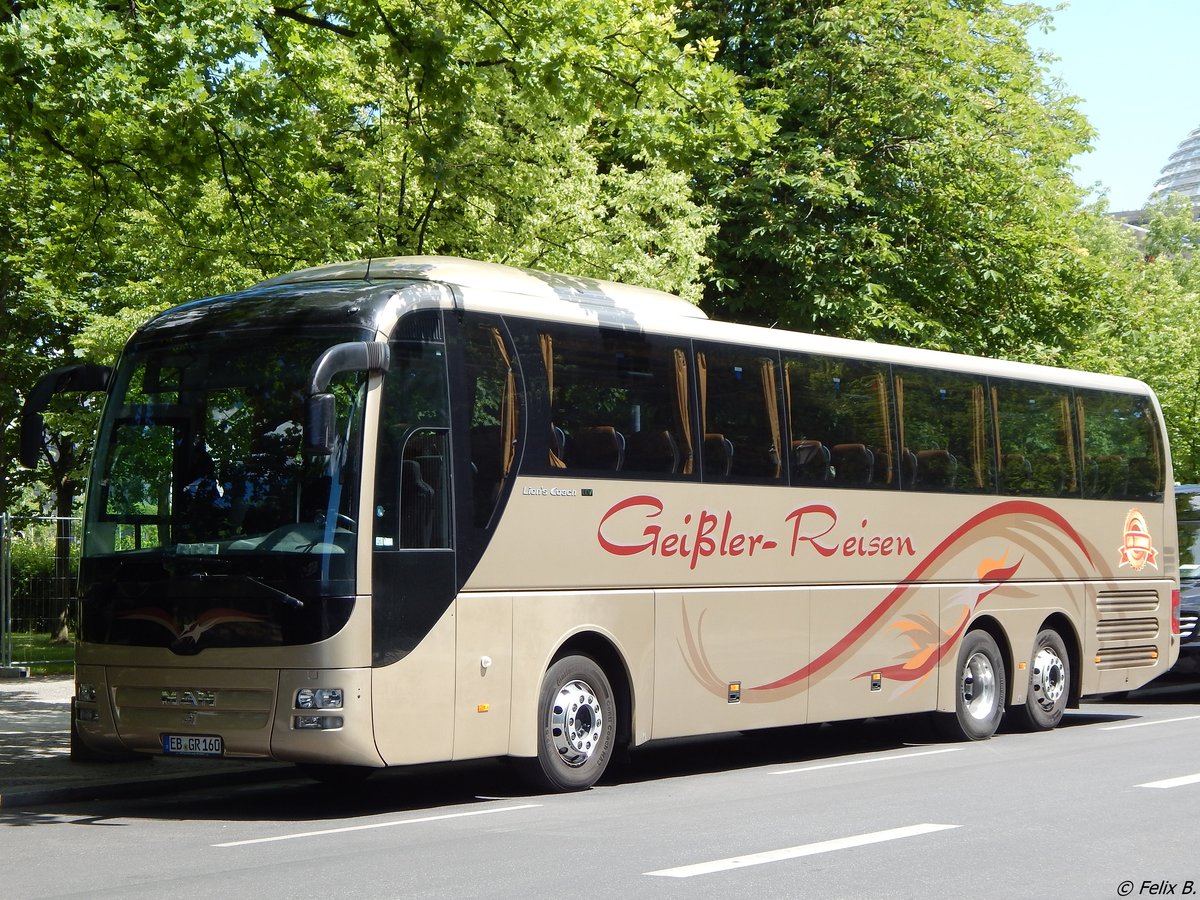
1105, 806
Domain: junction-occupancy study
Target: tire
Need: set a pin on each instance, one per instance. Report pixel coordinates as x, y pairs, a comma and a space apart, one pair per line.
1049, 684
577, 725
979, 691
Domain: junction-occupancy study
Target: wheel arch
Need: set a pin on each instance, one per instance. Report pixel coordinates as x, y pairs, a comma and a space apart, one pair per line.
608, 656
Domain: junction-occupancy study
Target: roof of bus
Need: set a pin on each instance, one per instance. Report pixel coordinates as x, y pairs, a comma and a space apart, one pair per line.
901, 355
485, 286
474, 275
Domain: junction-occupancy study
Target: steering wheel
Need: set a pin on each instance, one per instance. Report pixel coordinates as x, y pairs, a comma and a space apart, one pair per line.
340, 521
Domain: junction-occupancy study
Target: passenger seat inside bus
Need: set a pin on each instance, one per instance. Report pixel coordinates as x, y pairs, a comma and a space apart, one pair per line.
1016, 474
718, 456
853, 464
487, 470
653, 450
936, 469
908, 468
416, 506
810, 462
596, 447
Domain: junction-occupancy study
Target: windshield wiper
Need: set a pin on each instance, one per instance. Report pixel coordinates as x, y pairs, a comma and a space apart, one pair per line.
284, 597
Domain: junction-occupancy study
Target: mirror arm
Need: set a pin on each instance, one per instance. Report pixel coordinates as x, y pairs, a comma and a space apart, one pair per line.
83, 378
321, 414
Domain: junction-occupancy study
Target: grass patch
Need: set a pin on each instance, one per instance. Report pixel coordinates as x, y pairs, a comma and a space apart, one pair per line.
41, 654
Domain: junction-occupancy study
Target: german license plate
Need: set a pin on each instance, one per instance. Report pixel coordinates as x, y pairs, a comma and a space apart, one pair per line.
193, 745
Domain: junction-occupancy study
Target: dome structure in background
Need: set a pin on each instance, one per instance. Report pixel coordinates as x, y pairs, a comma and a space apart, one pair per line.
1181, 174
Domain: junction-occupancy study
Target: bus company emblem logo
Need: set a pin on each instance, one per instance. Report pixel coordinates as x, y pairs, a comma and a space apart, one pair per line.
188, 698
1137, 550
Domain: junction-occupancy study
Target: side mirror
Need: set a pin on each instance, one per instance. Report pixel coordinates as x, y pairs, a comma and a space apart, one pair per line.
84, 378
320, 424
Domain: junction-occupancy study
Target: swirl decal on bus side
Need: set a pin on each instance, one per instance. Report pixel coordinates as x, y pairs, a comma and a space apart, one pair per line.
1032, 529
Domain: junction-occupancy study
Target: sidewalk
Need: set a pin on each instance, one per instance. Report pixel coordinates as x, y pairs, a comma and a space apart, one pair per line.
36, 766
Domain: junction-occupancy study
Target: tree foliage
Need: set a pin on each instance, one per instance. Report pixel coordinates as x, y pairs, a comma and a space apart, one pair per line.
917, 188
1143, 320
154, 152
889, 169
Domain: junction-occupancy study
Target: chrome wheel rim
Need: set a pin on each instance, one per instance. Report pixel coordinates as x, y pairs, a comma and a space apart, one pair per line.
979, 687
1048, 679
576, 723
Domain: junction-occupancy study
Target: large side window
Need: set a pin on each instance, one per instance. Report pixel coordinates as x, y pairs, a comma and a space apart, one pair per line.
412, 486
1122, 448
1035, 439
494, 413
618, 403
944, 436
841, 422
739, 414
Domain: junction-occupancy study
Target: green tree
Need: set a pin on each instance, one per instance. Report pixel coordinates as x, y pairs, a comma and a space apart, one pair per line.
155, 152
1143, 321
917, 188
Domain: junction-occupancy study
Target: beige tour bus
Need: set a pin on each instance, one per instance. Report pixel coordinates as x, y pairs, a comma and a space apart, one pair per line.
422, 509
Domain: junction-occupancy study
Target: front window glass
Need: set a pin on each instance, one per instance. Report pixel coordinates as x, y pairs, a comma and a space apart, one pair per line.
202, 493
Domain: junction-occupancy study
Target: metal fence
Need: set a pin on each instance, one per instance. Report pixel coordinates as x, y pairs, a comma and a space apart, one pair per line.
36, 595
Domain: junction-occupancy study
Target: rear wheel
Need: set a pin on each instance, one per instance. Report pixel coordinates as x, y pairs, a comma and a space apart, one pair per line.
1049, 683
979, 692
577, 723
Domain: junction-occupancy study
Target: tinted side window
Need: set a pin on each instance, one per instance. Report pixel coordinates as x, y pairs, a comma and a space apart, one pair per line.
618, 403
841, 422
1035, 439
412, 487
494, 413
739, 412
1122, 452
945, 438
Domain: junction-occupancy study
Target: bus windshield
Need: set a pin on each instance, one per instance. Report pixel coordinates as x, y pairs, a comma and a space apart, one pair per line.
202, 496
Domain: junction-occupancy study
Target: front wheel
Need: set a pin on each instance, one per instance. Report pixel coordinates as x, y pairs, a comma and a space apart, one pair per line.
577, 723
1049, 683
979, 693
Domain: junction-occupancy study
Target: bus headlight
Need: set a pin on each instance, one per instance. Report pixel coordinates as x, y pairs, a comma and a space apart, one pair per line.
86, 693
319, 698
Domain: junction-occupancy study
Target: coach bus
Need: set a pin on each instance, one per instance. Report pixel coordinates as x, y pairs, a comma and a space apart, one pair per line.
422, 509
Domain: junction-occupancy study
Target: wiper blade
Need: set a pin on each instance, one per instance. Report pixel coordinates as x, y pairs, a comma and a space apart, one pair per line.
284, 597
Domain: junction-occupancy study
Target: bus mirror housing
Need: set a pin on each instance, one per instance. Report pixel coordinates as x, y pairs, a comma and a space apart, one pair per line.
83, 378
320, 431
320, 424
